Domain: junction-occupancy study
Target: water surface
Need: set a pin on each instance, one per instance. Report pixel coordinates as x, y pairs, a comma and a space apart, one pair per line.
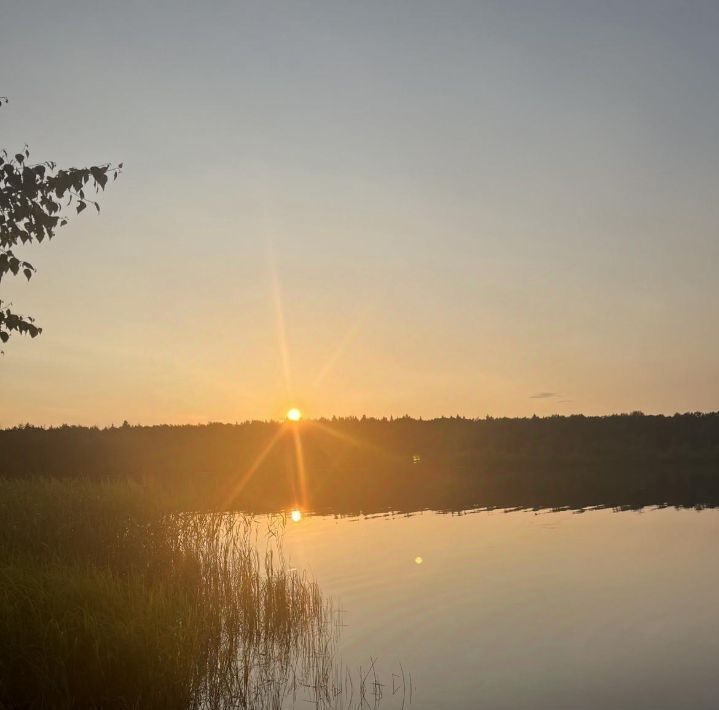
526, 609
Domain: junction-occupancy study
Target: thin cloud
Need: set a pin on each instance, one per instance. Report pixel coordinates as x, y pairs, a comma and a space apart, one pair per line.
545, 395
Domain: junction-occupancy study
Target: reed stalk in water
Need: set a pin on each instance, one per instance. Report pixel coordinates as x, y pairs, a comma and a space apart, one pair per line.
111, 597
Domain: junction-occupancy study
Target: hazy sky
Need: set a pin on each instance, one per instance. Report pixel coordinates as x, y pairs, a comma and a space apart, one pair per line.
463, 205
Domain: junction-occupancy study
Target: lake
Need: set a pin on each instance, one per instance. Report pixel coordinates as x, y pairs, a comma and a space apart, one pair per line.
524, 609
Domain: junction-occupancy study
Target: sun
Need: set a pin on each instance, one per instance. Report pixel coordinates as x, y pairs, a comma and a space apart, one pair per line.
294, 414
296, 516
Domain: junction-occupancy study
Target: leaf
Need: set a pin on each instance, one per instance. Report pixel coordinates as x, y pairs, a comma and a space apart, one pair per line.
100, 176
34, 199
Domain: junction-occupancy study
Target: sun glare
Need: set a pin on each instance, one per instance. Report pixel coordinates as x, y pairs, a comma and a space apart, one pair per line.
294, 414
296, 516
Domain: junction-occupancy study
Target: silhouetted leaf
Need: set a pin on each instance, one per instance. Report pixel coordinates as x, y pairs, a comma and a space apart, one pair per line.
33, 200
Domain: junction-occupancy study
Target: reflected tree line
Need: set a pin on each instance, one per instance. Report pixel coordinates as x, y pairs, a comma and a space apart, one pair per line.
367, 465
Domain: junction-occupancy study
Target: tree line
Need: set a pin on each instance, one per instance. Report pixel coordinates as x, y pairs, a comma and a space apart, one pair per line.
353, 465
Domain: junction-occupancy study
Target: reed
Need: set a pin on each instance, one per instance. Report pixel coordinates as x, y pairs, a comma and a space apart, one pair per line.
112, 597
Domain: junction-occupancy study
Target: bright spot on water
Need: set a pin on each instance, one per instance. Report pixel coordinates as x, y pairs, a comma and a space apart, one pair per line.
418, 560
294, 414
296, 516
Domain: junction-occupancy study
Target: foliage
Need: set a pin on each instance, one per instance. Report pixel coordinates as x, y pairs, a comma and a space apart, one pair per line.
35, 201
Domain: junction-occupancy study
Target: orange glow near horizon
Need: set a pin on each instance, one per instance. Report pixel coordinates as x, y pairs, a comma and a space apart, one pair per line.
296, 516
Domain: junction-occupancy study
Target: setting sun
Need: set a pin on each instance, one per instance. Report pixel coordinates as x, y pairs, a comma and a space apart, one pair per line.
294, 414
296, 516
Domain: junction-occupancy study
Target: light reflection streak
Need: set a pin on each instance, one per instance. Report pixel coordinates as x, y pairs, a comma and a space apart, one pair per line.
300, 463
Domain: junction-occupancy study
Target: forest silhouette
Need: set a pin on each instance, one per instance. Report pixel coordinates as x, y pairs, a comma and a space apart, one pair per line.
366, 465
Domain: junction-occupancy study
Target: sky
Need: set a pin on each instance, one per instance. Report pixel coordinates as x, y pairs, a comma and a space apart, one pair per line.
381, 208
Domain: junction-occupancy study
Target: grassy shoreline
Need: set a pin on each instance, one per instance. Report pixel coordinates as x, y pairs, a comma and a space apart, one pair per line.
110, 597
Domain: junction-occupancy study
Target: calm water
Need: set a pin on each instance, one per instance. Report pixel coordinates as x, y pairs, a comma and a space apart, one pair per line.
527, 610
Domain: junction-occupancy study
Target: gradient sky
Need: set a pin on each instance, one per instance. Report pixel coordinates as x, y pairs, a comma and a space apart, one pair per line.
456, 207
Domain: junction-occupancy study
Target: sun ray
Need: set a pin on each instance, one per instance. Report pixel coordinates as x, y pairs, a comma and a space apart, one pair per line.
341, 346
346, 438
244, 480
280, 324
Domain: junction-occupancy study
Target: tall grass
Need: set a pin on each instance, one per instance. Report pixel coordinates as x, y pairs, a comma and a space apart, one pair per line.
110, 597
